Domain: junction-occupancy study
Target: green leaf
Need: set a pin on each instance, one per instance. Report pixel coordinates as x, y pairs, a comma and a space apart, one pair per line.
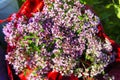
109, 5
42, 30
61, 50
53, 56
27, 37
71, 2
80, 17
82, 1
50, 47
79, 31
103, 72
118, 14
30, 41
117, 10
51, 6
25, 72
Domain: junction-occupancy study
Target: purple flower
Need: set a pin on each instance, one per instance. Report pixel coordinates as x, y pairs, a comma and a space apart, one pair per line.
62, 38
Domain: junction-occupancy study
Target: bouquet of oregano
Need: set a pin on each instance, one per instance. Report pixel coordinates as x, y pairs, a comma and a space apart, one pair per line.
62, 38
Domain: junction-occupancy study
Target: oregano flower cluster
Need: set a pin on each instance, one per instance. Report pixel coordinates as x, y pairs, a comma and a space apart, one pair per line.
62, 38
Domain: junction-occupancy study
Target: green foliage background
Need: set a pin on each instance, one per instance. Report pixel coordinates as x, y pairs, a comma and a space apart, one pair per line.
109, 13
